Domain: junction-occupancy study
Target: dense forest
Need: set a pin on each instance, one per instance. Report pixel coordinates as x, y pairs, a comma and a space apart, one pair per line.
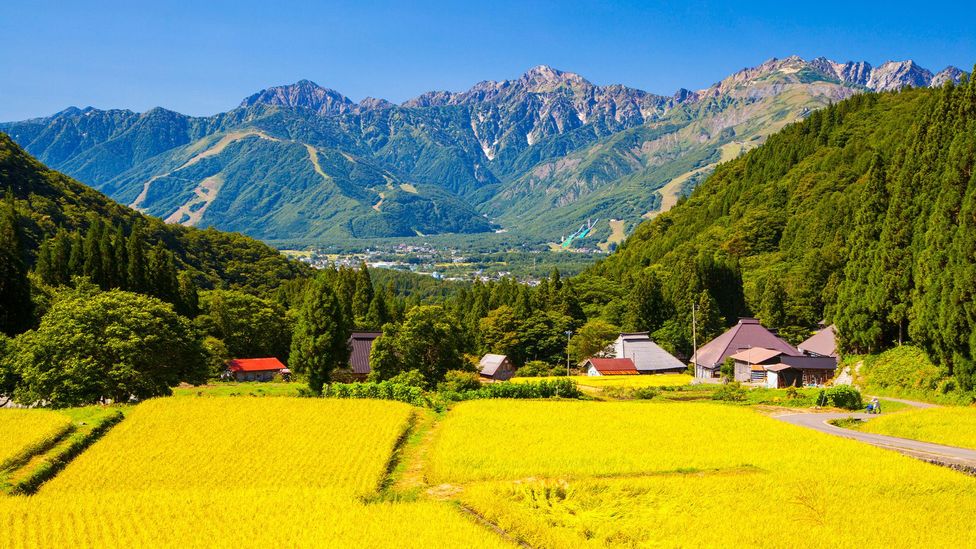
863, 215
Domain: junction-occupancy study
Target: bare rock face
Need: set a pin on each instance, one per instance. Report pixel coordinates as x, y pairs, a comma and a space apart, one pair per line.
895, 75
306, 94
948, 74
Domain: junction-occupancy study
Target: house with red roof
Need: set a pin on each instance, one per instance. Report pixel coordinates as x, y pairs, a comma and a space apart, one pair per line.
610, 367
746, 334
256, 369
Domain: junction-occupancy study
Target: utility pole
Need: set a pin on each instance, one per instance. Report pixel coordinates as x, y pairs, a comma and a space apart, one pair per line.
569, 336
694, 335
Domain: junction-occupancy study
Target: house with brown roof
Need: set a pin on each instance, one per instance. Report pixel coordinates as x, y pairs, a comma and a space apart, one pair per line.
496, 367
746, 334
360, 347
648, 357
256, 369
822, 343
750, 364
610, 367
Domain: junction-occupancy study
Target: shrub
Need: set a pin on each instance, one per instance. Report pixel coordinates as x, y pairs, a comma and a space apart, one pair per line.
458, 380
384, 390
412, 378
535, 368
841, 396
730, 392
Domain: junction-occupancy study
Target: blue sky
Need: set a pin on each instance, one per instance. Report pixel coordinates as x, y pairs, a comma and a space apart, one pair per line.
204, 57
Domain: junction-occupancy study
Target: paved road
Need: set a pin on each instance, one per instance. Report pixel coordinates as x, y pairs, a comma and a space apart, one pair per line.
959, 458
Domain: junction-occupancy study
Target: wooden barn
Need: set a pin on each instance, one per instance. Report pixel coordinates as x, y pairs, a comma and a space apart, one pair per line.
256, 369
496, 367
800, 371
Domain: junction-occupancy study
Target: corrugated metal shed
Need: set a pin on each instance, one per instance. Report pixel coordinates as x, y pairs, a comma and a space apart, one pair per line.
612, 366
361, 344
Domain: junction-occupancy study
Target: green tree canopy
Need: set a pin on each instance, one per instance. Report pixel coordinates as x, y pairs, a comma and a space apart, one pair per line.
112, 345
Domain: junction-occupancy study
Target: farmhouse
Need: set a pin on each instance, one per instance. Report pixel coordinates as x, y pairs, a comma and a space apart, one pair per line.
800, 371
256, 369
648, 357
822, 343
496, 367
750, 364
360, 346
610, 367
746, 334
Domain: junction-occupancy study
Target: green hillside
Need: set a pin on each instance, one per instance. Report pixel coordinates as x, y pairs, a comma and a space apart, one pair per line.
863, 215
48, 201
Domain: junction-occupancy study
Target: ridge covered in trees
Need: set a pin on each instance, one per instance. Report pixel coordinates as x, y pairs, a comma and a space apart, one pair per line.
863, 215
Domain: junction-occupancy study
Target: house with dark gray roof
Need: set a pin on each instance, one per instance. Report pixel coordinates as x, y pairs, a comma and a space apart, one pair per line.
647, 356
360, 347
746, 334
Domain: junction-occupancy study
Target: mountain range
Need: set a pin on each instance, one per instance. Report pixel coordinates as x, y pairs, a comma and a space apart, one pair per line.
535, 156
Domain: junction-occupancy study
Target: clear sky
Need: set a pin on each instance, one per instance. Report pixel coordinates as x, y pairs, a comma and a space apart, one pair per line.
203, 57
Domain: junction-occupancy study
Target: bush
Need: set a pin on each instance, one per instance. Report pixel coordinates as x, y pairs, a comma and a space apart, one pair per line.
535, 368
458, 380
412, 378
841, 396
384, 390
561, 388
730, 392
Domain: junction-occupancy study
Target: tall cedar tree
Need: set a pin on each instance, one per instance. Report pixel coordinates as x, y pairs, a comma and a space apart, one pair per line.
320, 341
16, 309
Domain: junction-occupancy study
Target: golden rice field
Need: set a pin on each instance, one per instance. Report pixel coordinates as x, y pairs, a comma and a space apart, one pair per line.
287, 517
569, 474
23, 431
954, 426
238, 472
221, 443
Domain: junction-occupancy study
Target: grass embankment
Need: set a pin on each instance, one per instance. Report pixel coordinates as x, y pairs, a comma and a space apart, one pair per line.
40, 462
906, 372
951, 426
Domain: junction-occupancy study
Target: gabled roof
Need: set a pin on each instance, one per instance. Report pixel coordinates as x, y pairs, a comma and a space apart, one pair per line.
747, 333
360, 345
756, 355
491, 363
270, 364
823, 343
613, 366
647, 355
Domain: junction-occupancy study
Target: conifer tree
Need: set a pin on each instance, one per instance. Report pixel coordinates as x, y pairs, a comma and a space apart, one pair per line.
16, 309
320, 341
136, 259
363, 297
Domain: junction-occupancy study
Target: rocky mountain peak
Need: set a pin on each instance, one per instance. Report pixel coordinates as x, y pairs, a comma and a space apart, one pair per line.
894, 75
948, 74
305, 94
544, 78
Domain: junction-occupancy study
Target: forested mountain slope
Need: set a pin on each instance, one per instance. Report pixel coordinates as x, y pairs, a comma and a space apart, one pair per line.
50, 204
863, 214
536, 155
